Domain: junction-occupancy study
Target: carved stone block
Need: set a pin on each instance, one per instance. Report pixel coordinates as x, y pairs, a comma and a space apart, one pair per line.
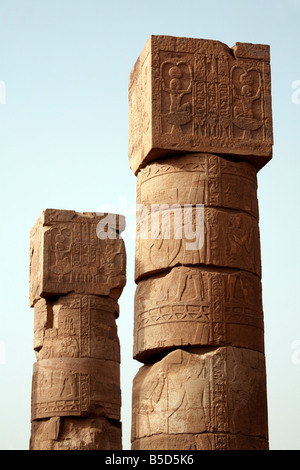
199, 179
43, 319
76, 326
75, 387
196, 95
75, 434
71, 252
210, 396
213, 237
192, 306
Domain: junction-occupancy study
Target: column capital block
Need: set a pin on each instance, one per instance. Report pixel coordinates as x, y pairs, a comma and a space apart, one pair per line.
197, 95
77, 252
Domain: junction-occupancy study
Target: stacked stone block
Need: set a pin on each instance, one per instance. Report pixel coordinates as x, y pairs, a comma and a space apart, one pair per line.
77, 273
200, 129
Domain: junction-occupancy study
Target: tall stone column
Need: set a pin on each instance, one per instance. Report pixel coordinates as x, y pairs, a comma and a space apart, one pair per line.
77, 273
200, 129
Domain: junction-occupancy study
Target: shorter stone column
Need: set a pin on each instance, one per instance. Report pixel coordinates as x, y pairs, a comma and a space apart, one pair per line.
77, 273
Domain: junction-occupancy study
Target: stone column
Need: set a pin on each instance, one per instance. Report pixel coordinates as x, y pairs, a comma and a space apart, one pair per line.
200, 129
77, 273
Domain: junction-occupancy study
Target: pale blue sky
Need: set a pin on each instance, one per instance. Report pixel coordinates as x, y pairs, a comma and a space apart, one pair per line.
63, 144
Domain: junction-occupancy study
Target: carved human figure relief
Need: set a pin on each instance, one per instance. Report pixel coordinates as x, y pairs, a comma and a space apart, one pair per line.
202, 392
176, 83
240, 238
150, 401
188, 403
247, 99
61, 246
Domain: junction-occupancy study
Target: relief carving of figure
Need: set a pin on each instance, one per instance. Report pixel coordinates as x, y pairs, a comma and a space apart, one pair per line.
45, 384
190, 399
62, 250
240, 239
179, 113
149, 400
246, 90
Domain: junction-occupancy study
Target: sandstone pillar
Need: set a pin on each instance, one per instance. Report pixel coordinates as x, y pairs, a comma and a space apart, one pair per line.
200, 129
77, 273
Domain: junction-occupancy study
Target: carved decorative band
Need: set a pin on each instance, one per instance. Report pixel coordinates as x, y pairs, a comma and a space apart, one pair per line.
76, 387
199, 179
192, 306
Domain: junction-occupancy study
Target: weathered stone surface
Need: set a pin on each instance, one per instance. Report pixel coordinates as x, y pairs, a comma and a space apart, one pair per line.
77, 273
199, 179
192, 306
67, 255
75, 434
221, 391
76, 326
223, 238
43, 319
208, 441
200, 127
196, 95
75, 387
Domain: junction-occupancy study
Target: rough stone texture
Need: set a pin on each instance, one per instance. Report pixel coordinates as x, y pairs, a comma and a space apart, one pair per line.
192, 306
198, 397
208, 441
67, 255
75, 387
76, 326
200, 128
78, 271
196, 95
199, 179
231, 240
71, 433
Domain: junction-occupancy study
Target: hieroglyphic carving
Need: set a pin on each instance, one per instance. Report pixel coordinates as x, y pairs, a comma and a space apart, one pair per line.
198, 301
73, 387
197, 307
200, 392
59, 393
77, 273
247, 99
67, 255
177, 94
199, 179
86, 262
201, 96
231, 239
80, 326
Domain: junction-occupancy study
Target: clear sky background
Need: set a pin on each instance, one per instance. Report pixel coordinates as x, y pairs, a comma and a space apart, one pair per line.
63, 144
